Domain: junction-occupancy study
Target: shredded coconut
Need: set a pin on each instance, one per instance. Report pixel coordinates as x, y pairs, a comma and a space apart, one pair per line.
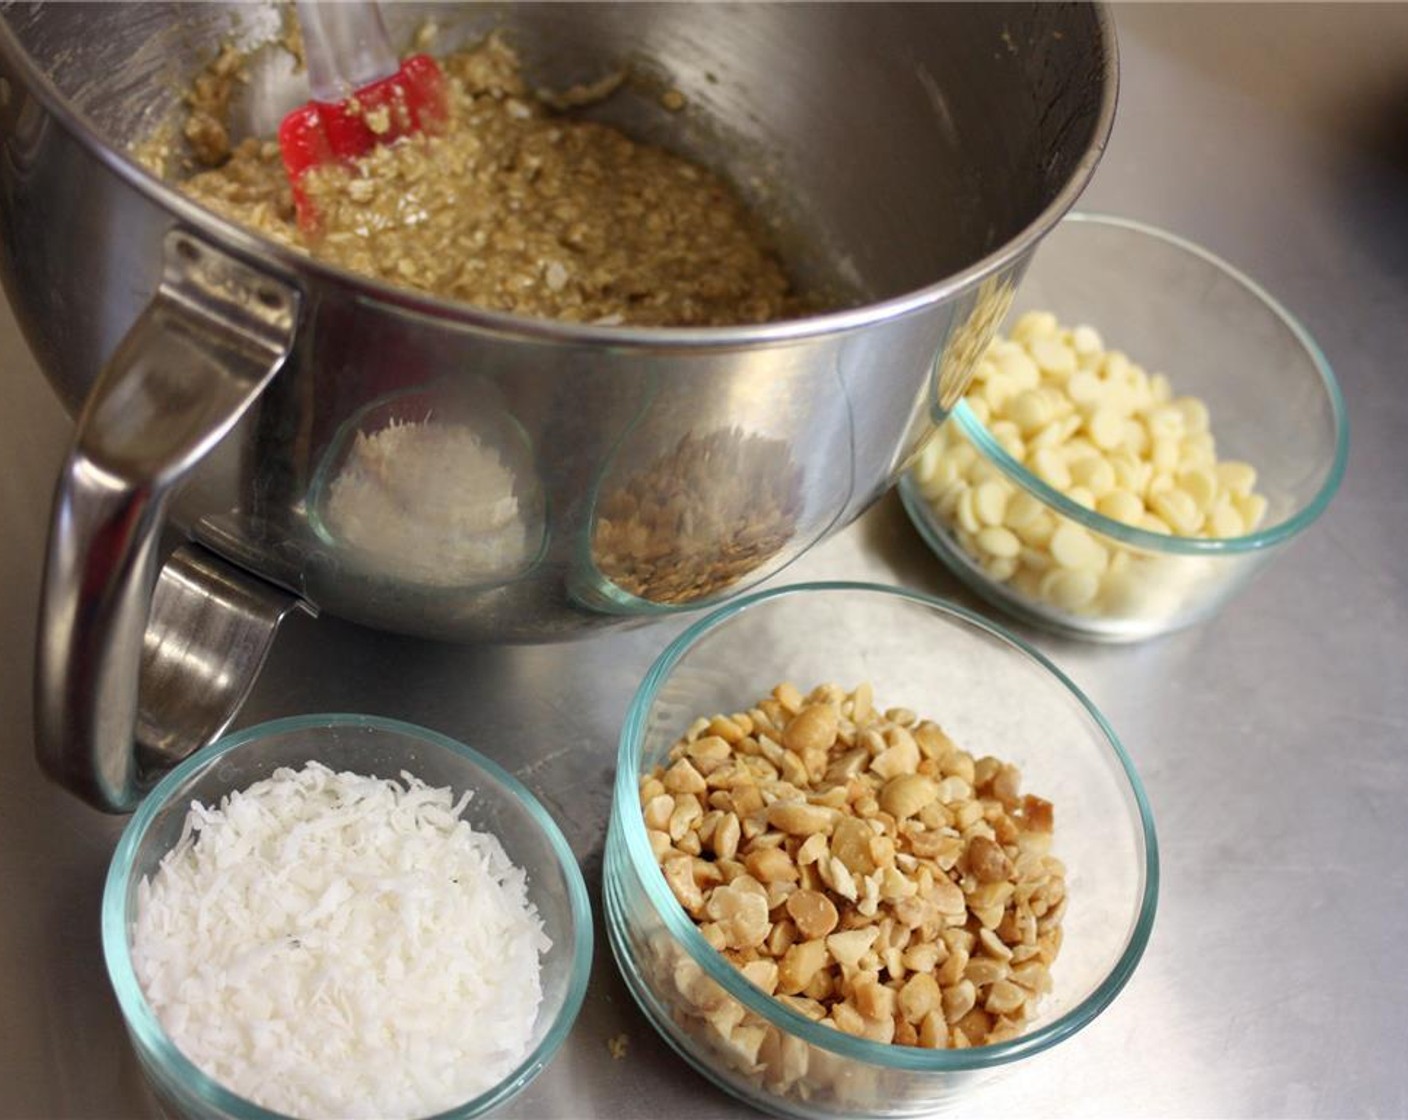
332, 945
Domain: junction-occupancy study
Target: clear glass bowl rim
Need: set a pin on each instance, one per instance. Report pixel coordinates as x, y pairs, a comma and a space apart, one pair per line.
682, 928
142, 1020
977, 433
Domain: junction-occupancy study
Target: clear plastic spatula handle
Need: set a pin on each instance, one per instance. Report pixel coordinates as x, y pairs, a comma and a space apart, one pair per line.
345, 47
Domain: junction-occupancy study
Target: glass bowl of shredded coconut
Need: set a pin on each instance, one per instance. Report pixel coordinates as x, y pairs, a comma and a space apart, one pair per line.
344, 916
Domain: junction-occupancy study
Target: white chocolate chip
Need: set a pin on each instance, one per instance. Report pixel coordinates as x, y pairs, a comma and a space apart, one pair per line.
1235, 476
1022, 510
1085, 389
1070, 590
990, 501
1085, 339
1031, 411
1073, 546
1000, 542
966, 513
1195, 414
1165, 423
1120, 505
1200, 484
1224, 521
1081, 496
1018, 368
1106, 428
1252, 507
1178, 509
1033, 325
1053, 357
1094, 473
1048, 465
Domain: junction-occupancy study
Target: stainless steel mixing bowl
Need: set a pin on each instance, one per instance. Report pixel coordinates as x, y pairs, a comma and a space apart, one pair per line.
916, 152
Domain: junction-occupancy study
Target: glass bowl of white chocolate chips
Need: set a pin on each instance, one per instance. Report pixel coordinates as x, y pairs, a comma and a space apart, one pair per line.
1146, 433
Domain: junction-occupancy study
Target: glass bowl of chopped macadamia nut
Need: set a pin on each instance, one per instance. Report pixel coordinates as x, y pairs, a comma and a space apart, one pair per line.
867, 851
340, 915
1147, 430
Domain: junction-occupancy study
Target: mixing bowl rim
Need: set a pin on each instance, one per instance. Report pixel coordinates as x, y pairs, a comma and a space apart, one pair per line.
681, 927
142, 1021
978, 434
263, 252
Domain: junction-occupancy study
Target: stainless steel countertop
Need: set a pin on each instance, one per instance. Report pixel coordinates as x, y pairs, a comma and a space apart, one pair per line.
1273, 741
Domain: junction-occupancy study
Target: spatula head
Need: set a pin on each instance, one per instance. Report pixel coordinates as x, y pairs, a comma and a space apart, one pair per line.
413, 99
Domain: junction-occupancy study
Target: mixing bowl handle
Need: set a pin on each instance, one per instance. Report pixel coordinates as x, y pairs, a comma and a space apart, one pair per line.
198, 356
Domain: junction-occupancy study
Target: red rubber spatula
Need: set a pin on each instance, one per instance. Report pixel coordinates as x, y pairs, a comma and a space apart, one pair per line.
363, 95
